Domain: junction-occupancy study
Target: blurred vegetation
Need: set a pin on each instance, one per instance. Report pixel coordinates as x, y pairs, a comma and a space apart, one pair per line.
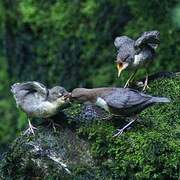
71, 43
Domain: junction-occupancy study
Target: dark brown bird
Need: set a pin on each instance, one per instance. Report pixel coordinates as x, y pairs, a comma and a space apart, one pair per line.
118, 101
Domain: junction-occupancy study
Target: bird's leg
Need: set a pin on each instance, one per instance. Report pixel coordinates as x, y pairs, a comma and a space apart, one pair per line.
145, 83
120, 131
53, 124
130, 79
108, 117
31, 128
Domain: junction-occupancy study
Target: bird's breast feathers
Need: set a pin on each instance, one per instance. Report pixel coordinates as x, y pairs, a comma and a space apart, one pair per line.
42, 110
138, 59
102, 103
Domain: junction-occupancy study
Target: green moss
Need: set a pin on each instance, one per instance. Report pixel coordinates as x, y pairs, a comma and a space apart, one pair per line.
73, 111
150, 149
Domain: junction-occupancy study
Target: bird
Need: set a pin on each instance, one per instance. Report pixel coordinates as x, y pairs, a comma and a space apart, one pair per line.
37, 101
135, 54
124, 102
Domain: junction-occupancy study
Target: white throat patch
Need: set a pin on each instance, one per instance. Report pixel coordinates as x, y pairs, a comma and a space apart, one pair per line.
138, 59
102, 103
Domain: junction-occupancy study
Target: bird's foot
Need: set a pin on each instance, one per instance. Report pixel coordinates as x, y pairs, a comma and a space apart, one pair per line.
120, 131
108, 117
145, 84
30, 130
54, 125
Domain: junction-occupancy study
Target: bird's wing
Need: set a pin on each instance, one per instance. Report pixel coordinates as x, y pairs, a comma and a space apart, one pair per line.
120, 41
150, 38
126, 98
19, 90
29, 86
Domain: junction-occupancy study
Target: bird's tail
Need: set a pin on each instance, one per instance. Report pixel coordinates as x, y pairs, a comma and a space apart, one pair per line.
15, 87
161, 100
19, 90
29, 86
22, 86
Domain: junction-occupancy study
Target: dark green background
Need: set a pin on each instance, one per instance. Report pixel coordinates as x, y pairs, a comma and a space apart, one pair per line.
70, 43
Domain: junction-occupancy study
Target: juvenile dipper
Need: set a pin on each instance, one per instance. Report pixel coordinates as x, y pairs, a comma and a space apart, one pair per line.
37, 101
133, 54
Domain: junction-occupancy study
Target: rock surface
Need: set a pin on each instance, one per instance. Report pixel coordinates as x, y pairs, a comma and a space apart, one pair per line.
83, 146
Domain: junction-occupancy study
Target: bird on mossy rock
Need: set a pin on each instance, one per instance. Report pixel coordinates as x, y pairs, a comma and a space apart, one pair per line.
37, 101
124, 102
133, 54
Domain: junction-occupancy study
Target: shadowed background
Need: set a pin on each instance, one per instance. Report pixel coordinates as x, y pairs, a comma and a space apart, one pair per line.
71, 43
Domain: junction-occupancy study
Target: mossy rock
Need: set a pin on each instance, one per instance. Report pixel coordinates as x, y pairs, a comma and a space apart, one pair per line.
149, 150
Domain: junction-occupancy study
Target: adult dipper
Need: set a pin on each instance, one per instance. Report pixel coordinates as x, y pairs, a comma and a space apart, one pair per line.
118, 101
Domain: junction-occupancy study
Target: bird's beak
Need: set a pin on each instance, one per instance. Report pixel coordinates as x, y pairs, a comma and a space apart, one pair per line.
120, 67
67, 96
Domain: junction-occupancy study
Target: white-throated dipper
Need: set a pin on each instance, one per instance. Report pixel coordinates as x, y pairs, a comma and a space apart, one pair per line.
37, 101
118, 101
133, 54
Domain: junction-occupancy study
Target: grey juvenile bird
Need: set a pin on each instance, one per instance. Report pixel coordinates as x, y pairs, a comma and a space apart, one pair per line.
38, 101
118, 101
133, 54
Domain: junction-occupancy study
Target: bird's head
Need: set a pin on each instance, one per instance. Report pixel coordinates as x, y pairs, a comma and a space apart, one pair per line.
125, 46
122, 62
57, 93
81, 95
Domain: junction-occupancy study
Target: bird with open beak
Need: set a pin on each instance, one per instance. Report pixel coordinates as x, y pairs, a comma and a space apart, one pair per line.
134, 54
37, 101
118, 101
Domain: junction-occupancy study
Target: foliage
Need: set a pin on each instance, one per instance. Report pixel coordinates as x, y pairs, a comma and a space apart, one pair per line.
71, 43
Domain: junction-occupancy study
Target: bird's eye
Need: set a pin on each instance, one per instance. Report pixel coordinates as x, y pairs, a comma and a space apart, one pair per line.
120, 65
60, 94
